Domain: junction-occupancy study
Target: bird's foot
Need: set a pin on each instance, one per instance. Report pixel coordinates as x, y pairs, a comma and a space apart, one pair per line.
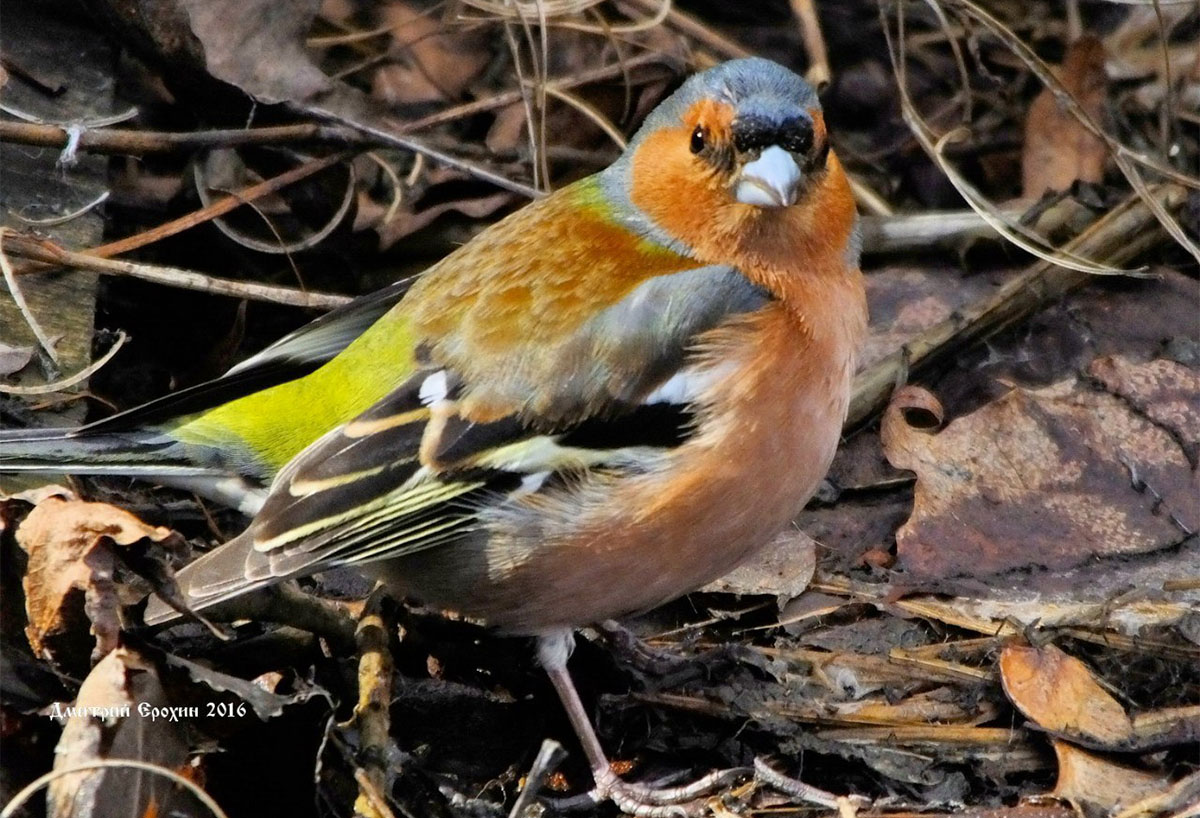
647, 801
846, 805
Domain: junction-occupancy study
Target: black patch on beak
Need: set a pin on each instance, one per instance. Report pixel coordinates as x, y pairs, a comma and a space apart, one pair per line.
755, 132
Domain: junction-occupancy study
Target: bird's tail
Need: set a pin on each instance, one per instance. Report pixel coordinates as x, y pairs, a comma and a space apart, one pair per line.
218, 576
137, 453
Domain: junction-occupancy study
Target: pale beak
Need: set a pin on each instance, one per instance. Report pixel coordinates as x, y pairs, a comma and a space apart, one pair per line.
771, 180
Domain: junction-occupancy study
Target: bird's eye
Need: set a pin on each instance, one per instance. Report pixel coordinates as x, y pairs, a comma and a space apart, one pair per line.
698, 139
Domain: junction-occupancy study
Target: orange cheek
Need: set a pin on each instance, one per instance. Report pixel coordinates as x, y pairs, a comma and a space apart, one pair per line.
674, 187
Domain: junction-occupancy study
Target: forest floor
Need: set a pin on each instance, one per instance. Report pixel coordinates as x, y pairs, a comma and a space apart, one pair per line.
992, 606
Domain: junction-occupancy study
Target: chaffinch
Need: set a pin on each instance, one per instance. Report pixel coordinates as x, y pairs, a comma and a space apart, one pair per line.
608, 399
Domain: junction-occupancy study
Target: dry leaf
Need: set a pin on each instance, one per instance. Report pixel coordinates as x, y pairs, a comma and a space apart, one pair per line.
236, 34
782, 569
69, 547
121, 712
1051, 477
1058, 149
14, 359
1058, 693
443, 60
407, 222
1097, 786
1164, 391
508, 131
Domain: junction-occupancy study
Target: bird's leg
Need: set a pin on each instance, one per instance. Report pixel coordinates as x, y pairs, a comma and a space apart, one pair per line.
553, 651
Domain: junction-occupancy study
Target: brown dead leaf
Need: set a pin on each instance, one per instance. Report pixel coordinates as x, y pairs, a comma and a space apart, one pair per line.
1179, 800
1058, 693
442, 60
69, 547
783, 569
237, 34
1164, 391
905, 301
115, 716
406, 222
1058, 148
508, 130
1097, 786
1050, 477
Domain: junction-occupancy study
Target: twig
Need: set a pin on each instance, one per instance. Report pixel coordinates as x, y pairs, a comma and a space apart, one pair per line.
54, 221
392, 135
288, 604
371, 712
280, 247
508, 97
867, 198
686, 24
818, 73
548, 758
1117, 237
47, 252
21, 797
219, 207
138, 142
18, 298
919, 231
67, 383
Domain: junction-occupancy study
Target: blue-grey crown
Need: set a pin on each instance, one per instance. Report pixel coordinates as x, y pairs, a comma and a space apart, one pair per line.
754, 86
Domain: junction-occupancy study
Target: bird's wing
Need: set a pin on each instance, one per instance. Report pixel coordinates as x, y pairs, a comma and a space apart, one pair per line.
412, 472
293, 356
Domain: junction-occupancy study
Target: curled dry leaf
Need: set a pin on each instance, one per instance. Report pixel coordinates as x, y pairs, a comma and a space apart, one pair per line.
69, 543
1058, 148
115, 716
406, 221
1052, 477
901, 437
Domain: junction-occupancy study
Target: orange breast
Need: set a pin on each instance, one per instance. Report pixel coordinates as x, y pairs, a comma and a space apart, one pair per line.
768, 434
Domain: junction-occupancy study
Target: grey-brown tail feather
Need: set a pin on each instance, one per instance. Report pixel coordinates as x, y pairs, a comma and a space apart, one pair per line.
138, 453
216, 577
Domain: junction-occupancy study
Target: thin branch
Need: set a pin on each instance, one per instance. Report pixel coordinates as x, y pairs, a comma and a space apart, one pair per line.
67, 383
219, 207
509, 97
139, 142
18, 298
393, 136
818, 73
44, 251
688, 25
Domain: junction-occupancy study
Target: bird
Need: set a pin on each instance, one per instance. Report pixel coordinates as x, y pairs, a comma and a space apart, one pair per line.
607, 399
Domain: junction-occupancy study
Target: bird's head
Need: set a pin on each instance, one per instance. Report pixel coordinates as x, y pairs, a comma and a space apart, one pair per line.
737, 152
